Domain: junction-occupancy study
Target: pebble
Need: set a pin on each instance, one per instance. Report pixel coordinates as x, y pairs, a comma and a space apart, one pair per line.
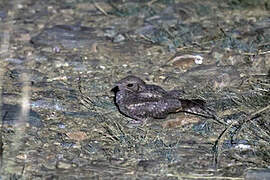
63, 165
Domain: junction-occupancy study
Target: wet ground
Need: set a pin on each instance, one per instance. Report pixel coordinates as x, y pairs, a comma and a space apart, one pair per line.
60, 59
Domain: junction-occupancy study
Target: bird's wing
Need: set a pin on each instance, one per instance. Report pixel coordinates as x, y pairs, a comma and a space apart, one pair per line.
157, 109
152, 93
147, 96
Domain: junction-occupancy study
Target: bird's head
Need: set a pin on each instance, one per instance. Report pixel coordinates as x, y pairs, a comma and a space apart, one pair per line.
129, 83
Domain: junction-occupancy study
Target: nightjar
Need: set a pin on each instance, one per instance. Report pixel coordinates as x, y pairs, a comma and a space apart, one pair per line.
140, 101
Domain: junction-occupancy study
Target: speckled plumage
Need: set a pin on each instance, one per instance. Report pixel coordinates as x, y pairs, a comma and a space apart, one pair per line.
141, 101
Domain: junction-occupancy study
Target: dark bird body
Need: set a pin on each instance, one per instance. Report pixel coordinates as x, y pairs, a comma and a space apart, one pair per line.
141, 101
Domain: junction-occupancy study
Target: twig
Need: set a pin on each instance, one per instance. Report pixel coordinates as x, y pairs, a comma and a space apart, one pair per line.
100, 9
151, 2
260, 111
221, 137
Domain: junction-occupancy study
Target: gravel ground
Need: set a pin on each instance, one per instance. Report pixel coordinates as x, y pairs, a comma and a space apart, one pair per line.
60, 60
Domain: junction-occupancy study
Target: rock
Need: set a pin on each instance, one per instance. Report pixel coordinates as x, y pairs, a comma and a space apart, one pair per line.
63, 165
67, 36
77, 135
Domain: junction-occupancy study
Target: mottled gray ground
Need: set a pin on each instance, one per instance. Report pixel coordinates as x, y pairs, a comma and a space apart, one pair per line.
65, 56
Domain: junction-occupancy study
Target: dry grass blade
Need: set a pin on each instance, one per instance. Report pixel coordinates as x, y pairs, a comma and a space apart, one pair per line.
221, 138
100, 9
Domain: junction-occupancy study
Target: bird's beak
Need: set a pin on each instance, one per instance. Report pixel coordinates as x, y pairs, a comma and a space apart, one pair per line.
115, 88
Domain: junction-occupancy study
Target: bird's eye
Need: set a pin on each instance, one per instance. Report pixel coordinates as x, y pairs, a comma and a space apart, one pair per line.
130, 85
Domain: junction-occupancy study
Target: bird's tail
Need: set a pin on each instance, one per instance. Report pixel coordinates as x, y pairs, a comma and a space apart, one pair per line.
196, 107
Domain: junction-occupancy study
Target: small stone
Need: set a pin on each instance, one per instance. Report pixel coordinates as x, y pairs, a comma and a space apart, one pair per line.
78, 135
102, 67
119, 38
20, 6
162, 77
62, 126
21, 156
63, 78
56, 49
63, 165
59, 64
198, 59
186, 61
110, 33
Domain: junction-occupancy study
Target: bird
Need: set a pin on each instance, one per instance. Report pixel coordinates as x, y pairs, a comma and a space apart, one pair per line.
140, 101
